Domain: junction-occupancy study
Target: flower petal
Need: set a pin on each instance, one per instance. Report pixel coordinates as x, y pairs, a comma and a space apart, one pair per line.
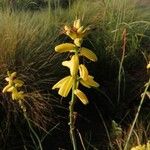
90, 81
65, 47
66, 87
83, 72
71, 34
59, 83
11, 89
73, 65
82, 97
88, 54
6, 88
80, 30
84, 83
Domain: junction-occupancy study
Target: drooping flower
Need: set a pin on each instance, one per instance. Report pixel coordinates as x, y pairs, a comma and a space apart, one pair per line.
82, 97
88, 54
85, 79
64, 86
72, 64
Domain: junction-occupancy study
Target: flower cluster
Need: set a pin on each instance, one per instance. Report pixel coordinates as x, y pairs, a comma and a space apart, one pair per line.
78, 72
13, 85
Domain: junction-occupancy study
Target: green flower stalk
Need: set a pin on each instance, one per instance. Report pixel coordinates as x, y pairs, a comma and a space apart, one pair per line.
78, 72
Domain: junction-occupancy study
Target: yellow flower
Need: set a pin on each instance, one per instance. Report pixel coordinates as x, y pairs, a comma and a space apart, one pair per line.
17, 95
76, 31
12, 86
82, 97
73, 65
12, 82
88, 54
85, 79
148, 66
64, 86
65, 47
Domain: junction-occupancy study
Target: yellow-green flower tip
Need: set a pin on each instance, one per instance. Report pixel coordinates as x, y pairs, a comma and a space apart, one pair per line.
148, 66
64, 86
73, 65
77, 24
82, 97
88, 54
65, 47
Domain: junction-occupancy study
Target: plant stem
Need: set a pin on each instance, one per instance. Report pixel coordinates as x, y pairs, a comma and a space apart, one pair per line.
137, 114
72, 118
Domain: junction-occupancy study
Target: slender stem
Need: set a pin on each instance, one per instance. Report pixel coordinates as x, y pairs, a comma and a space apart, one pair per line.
30, 126
34, 133
72, 118
136, 116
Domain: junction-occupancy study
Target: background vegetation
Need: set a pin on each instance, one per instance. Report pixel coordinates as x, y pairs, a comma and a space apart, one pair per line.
29, 31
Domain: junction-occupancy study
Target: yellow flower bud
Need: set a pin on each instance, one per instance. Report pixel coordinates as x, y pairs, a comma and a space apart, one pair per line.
80, 30
88, 54
83, 72
65, 47
77, 24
